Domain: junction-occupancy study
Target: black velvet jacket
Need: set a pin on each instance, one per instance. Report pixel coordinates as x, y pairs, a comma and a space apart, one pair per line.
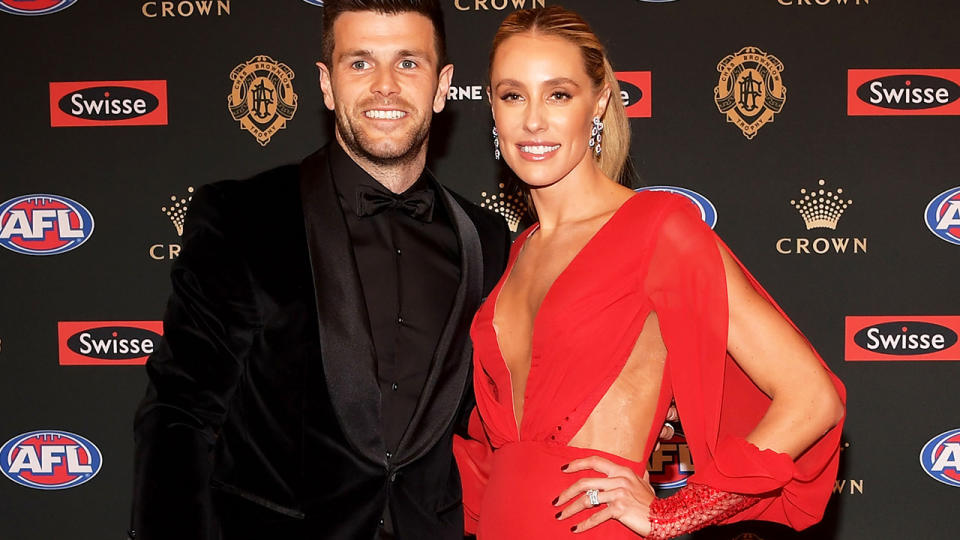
262, 414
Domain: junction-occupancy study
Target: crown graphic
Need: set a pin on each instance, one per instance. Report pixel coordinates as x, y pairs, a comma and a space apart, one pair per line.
177, 211
511, 207
819, 208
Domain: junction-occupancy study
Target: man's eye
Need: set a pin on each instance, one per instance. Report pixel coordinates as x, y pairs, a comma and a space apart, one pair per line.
360, 64
408, 64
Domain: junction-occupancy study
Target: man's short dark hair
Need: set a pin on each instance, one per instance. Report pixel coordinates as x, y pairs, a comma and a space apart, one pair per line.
428, 8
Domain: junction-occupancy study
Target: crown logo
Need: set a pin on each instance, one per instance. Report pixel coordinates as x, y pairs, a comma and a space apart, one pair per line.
819, 208
177, 211
511, 207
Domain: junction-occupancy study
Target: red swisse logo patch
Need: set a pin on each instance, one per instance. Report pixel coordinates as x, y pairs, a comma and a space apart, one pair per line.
108, 343
635, 93
903, 338
108, 103
903, 92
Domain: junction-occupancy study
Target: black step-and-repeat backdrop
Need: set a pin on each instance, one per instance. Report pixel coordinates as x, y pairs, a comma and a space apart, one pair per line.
819, 137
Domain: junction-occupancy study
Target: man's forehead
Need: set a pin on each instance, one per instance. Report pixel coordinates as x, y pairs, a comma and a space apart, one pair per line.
379, 33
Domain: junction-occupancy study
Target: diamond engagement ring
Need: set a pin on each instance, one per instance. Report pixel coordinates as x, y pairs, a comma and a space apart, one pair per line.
594, 496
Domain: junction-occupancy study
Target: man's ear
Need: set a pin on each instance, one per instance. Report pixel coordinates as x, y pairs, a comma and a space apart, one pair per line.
326, 86
443, 88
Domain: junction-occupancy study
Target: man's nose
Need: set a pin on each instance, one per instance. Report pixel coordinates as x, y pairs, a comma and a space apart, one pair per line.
385, 83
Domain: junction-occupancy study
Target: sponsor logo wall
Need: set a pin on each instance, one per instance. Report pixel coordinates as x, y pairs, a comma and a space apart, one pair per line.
34, 7
903, 92
843, 201
116, 343
108, 103
943, 216
50, 459
940, 458
43, 224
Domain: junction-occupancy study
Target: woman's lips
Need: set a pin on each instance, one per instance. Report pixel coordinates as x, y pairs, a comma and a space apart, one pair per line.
537, 151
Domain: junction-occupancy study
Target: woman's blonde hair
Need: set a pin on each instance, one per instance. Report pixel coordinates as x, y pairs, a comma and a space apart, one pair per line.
563, 23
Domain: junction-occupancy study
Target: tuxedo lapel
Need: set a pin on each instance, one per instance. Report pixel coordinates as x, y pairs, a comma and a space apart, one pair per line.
347, 352
450, 368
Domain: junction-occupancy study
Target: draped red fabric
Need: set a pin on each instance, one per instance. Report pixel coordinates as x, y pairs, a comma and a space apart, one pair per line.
653, 254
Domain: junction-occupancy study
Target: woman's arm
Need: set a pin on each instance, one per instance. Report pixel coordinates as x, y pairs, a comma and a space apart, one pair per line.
804, 401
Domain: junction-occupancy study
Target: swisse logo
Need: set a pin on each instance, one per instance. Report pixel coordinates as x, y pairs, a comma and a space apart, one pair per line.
905, 338
42, 224
671, 464
909, 92
708, 212
50, 459
635, 93
34, 7
902, 338
943, 216
897, 92
108, 103
496, 5
115, 343
940, 458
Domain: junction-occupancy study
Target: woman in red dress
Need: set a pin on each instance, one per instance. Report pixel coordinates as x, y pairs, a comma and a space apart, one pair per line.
611, 305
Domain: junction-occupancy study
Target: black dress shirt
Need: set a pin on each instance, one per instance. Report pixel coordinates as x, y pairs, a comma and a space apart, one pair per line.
409, 271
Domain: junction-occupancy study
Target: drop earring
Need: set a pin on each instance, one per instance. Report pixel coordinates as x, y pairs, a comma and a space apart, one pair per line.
496, 144
596, 136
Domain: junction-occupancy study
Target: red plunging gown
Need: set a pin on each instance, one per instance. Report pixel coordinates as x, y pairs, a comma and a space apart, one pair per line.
653, 254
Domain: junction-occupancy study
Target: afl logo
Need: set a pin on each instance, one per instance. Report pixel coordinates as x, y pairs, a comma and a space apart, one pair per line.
42, 224
50, 459
708, 212
941, 458
34, 7
671, 464
943, 216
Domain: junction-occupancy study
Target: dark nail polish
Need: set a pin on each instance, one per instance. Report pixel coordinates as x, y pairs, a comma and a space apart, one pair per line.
563, 468
573, 529
558, 515
556, 500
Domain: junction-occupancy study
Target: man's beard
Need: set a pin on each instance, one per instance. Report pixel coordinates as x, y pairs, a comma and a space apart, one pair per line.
359, 144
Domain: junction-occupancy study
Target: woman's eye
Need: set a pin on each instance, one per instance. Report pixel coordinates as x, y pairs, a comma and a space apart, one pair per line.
560, 95
408, 64
510, 96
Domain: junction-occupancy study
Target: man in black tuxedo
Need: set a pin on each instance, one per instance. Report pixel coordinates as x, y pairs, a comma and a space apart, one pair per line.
316, 357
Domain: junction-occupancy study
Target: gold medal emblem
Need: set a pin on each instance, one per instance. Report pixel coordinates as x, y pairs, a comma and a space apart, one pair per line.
262, 97
750, 90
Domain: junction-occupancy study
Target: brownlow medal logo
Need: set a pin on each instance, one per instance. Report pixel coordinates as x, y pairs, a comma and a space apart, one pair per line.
262, 97
750, 91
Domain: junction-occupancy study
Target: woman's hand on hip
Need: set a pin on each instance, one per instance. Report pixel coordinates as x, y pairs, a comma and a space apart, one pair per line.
622, 494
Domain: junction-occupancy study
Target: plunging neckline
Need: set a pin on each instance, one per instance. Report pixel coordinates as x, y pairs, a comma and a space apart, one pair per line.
536, 316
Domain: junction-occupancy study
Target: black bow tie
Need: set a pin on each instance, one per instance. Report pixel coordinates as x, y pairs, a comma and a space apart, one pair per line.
418, 204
